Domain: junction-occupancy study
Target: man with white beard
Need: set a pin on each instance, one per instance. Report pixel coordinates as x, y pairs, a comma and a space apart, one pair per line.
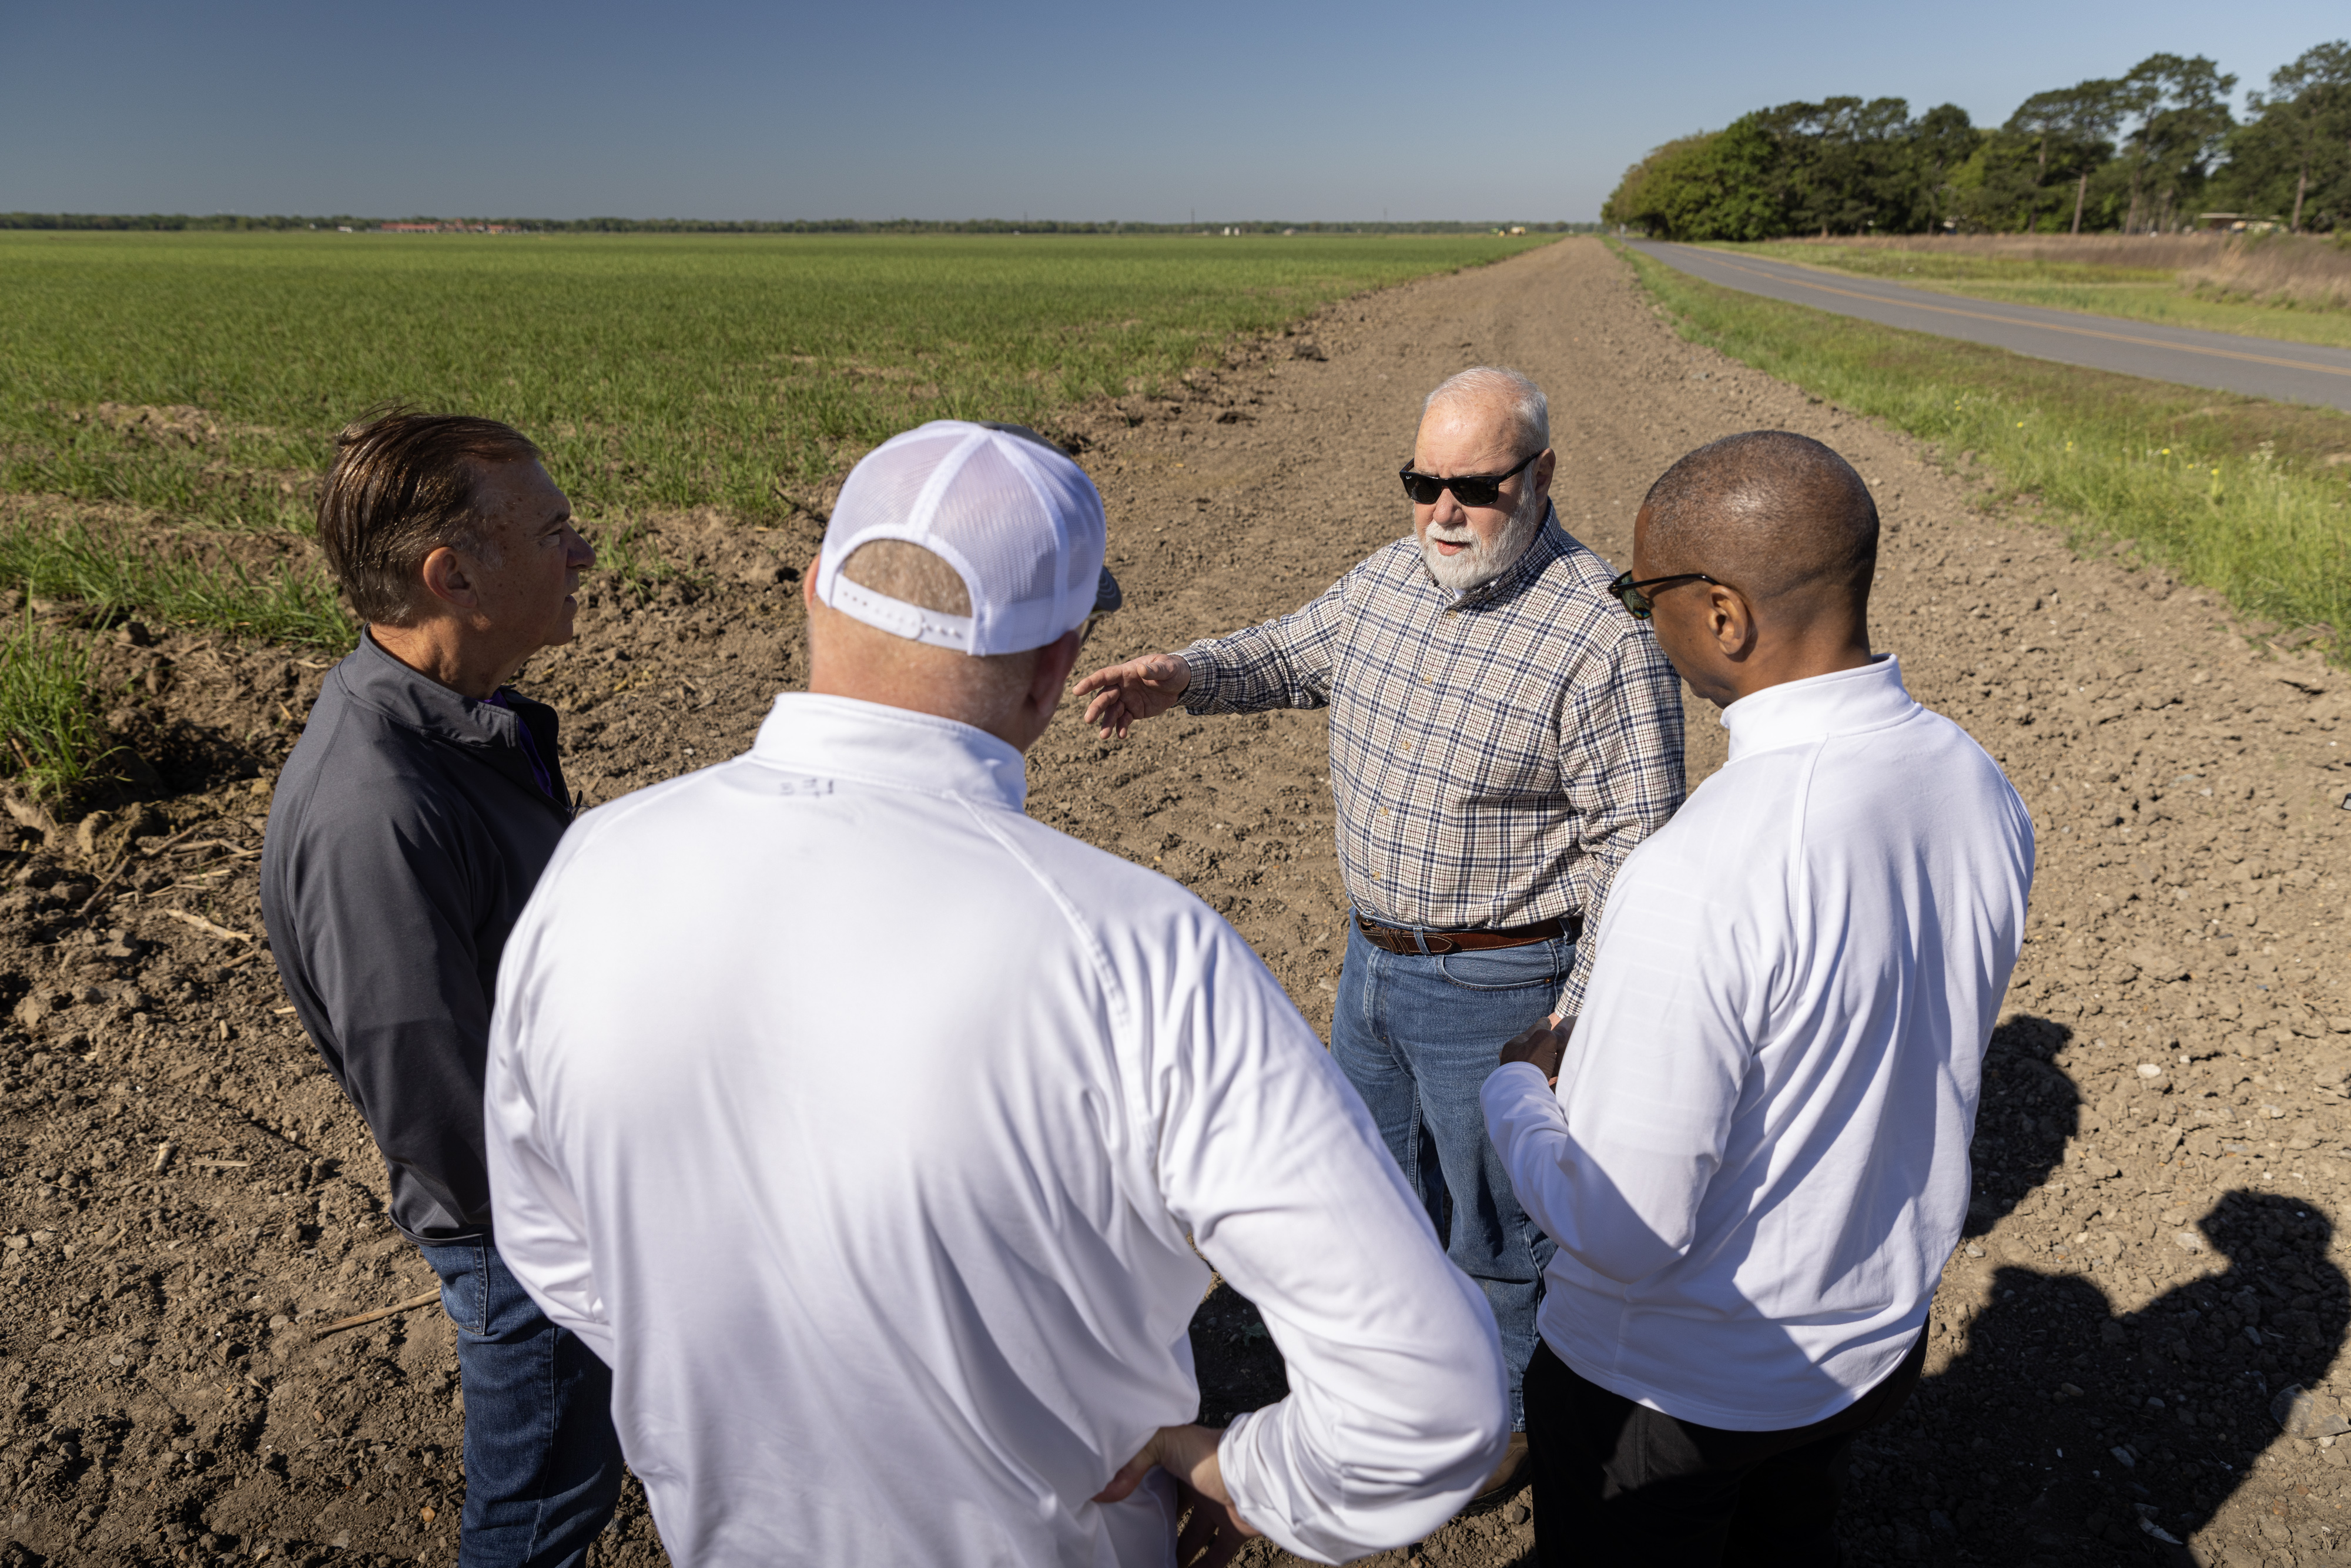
1502, 734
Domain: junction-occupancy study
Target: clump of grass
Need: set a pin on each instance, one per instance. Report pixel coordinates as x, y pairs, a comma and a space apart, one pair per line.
116, 580
2282, 271
53, 739
630, 563
2229, 494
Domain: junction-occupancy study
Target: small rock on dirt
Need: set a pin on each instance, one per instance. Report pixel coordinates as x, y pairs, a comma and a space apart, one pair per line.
2299, 1414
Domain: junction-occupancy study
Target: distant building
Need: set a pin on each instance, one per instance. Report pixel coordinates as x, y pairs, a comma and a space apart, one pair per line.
458, 228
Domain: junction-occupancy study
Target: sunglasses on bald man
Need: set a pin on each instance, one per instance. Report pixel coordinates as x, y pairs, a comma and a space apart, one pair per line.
1638, 604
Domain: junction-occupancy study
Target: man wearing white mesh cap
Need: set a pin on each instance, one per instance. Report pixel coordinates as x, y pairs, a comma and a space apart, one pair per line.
868, 1128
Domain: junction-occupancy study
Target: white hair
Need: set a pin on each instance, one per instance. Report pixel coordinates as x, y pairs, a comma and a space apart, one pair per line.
1530, 409
1484, 561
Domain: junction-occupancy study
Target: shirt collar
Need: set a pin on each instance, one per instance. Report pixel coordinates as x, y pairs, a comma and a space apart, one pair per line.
842, 737
1797, 713
488, 727
1549, 543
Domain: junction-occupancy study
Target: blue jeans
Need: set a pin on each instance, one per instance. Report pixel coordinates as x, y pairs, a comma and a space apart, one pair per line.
1416, 1034
542, 1461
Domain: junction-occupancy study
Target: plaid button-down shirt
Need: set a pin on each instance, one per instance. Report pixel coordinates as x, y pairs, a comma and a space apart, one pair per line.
1495, 755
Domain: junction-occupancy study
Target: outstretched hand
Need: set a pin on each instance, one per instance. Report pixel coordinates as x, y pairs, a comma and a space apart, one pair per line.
1212, 1531
1542, 1045
1125, 694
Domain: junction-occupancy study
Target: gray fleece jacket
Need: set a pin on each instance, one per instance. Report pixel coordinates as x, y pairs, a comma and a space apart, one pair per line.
407, 833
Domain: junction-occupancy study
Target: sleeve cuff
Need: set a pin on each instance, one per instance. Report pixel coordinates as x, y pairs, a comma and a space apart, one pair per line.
1200, 691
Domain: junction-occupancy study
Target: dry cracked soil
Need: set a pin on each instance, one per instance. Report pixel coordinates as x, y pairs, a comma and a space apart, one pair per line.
2150, 1272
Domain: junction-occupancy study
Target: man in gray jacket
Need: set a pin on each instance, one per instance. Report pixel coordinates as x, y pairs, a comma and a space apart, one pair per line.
408, 830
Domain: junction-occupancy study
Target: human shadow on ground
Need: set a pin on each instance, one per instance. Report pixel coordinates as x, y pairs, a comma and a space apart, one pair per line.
1995, 1460
1999, 1459
2064, 1430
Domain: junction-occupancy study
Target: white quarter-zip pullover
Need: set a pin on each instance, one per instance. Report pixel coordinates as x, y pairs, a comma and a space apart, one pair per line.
1756, 1161
866, 1126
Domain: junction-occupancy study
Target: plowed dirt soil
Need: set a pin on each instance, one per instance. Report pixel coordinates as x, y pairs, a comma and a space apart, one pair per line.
2163, 1144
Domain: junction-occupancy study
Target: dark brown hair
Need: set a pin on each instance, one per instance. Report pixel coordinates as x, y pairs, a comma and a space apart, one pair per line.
402, 487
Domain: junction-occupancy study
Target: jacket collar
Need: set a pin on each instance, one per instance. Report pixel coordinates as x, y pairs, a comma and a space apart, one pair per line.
492, 734
1799, 712
842, 737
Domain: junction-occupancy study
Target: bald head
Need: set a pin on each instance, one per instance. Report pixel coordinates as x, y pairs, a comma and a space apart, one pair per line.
1497, 393
1760, 548
1778, 514
1011, 696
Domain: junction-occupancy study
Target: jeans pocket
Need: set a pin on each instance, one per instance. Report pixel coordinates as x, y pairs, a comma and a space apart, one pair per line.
1508, 968
464, 1271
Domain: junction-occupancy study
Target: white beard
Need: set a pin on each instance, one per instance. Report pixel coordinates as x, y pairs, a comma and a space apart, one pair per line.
1482, 561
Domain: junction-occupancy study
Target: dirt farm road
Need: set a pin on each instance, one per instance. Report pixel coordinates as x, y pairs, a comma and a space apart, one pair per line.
2257, 367
2160, 1157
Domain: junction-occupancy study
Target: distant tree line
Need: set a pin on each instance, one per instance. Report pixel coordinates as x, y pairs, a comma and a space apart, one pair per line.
2143, 152
234, 222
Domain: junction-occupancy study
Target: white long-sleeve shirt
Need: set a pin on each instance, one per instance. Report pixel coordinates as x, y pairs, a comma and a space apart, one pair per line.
1756, 1161
859, 1122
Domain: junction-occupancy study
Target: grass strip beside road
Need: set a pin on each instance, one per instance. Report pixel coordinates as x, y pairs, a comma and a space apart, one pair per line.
2134, 293
2230, 492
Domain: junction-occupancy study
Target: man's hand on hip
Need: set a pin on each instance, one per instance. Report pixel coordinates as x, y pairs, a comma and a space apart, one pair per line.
1189, 1455
1542, 1045
1139, 689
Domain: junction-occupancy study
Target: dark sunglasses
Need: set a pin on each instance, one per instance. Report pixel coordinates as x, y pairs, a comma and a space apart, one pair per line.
1638, 604
1470, 489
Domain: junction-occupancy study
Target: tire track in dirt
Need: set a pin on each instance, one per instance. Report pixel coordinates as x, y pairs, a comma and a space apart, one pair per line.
160, 1398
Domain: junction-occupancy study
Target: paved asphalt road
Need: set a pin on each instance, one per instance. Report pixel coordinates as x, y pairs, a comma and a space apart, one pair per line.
2261, 367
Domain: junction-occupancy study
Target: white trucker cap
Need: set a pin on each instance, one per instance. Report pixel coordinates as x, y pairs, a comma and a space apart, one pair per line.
1019, 522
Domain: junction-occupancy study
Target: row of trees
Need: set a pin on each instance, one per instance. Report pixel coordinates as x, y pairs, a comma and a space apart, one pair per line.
2143, 153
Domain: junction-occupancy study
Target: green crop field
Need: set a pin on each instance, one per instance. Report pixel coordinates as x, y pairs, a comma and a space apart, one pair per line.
167, 398
200, 375
2134, 293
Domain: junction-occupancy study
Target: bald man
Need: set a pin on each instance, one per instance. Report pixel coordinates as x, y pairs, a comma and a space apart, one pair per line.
881, 1139
1502, 734
1754, 1161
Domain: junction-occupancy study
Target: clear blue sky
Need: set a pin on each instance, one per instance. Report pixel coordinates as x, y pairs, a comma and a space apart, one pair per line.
708, 110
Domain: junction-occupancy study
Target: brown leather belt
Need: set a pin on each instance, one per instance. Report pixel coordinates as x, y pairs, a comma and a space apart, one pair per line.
1399, 939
